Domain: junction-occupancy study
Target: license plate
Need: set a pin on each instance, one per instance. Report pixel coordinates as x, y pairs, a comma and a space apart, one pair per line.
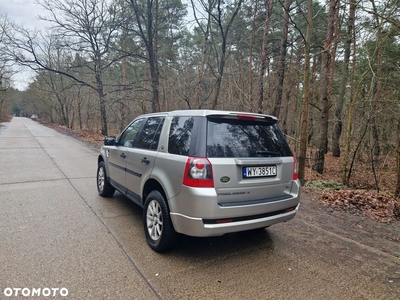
263, 171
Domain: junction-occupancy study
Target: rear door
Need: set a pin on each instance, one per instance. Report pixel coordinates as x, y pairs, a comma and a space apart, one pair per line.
141, 157
252, 162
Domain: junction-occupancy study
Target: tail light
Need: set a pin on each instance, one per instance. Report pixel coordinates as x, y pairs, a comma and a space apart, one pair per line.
198, 172
295, 169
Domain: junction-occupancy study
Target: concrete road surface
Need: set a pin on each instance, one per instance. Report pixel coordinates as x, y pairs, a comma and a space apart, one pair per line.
60, 240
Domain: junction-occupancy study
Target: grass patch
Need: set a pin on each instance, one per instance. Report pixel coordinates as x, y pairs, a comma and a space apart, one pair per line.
325, 185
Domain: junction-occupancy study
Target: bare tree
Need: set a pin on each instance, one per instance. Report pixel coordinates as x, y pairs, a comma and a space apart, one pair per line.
147, 23
223, 22
6, 61
86, 28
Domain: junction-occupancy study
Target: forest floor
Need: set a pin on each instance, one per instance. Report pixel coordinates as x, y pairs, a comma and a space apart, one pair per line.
361, 197
357, 212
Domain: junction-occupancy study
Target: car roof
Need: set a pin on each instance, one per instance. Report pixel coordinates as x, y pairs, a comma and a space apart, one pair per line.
208, 112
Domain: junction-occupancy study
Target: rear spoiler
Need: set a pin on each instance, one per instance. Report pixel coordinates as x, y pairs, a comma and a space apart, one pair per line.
248, 116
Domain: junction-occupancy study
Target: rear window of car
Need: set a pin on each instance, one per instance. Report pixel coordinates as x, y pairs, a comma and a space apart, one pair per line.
243, 138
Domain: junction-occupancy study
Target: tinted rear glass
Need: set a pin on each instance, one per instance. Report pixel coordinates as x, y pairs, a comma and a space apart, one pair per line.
180, 135
150, 133
241, 138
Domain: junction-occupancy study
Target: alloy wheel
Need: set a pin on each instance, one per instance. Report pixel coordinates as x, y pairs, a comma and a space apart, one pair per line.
101, 179
154, 220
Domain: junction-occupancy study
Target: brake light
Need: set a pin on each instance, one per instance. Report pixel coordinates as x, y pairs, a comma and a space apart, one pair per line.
198, 173
247, 117
295, 169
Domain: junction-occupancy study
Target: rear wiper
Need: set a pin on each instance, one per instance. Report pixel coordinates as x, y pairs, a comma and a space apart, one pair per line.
266, 152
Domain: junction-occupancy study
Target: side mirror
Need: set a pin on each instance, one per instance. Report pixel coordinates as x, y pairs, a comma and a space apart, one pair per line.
110, 141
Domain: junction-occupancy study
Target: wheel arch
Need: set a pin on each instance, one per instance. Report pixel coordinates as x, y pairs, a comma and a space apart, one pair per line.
100, 159
151, 185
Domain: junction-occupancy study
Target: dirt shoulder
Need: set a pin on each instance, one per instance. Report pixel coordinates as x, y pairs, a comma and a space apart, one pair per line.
355, 225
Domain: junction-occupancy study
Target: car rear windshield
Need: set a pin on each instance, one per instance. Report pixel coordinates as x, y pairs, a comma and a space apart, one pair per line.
243, 138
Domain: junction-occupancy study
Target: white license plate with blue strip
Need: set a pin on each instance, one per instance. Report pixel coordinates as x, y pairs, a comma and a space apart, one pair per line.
260, 171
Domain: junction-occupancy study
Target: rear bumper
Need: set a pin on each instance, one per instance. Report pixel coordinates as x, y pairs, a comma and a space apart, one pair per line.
195, 212
196, 227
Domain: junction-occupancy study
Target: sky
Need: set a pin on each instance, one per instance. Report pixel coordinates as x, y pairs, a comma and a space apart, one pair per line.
25, 13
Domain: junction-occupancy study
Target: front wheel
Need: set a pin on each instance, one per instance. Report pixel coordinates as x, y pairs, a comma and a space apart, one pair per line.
104, 188
160, 232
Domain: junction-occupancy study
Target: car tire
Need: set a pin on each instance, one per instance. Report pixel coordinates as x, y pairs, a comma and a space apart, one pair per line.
104, 188
160, 232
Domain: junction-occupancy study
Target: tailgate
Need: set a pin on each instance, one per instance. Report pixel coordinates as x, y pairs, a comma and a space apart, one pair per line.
252, 180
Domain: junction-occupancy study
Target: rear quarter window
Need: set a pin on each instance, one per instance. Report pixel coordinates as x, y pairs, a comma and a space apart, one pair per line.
180, 134
242, 138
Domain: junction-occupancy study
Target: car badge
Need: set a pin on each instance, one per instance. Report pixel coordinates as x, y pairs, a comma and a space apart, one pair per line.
225, 179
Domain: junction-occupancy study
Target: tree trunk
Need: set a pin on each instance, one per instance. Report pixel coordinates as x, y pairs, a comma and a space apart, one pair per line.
102, 98
324, 92
295, 109
155, 83
288, 93
268, 6
353, 99
79, 104
397, 190
148, 19
377, 89
250, 66
306, 95
338, 125
123, 106
282, 59
153, 56
103, 112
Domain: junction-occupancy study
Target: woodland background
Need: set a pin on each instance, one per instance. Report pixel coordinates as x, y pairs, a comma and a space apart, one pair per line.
329, 70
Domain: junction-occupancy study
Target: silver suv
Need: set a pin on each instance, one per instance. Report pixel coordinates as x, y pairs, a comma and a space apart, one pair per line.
201, 173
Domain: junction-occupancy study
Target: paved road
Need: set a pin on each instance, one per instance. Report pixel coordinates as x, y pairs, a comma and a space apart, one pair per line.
57, 233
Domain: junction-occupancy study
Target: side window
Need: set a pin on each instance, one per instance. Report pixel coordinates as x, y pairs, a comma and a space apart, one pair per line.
180, 134
154, 144
130, 133
150, 134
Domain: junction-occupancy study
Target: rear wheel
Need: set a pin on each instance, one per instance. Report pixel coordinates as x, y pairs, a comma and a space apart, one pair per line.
160, 232
104, 188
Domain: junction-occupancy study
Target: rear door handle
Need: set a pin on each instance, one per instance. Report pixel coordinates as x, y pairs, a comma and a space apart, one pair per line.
145, 161
123, 155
